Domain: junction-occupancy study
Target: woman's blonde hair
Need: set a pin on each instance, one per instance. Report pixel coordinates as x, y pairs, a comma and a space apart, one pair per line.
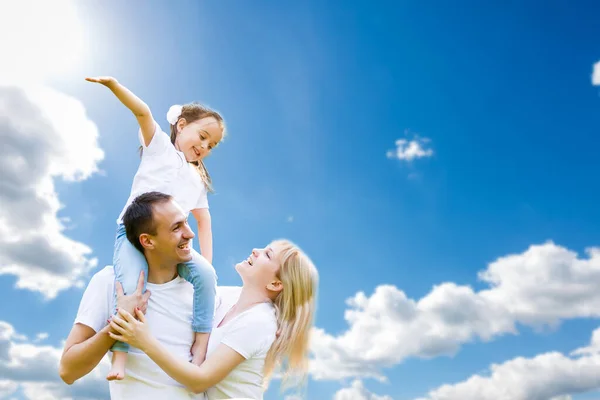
193, 112
295, 306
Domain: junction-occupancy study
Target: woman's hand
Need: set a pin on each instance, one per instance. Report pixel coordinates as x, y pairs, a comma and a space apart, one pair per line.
103, 80
130, 330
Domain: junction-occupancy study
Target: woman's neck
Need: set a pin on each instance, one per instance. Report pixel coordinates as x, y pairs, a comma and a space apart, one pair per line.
250, 297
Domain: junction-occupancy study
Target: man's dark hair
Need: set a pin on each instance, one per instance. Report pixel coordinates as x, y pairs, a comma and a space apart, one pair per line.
138, 217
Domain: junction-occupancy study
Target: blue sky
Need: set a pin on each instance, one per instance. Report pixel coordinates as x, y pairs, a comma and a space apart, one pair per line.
315, 96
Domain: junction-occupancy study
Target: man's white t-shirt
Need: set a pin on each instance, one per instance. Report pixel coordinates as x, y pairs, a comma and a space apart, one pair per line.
164, 169
251, 334
169, 317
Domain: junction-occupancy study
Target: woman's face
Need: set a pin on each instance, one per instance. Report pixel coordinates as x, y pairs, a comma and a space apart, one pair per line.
261, 268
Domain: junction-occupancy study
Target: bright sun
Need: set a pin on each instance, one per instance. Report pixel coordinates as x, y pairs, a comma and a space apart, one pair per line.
39, 39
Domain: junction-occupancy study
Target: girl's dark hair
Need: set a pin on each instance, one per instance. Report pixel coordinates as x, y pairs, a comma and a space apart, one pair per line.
193, 112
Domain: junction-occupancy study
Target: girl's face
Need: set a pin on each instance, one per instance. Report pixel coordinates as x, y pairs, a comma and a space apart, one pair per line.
196, 139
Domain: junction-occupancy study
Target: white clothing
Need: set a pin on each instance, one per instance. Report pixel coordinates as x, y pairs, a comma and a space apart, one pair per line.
251, 334
164, 169
169, 317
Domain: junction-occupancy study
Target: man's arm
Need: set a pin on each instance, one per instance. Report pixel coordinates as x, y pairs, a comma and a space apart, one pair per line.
84, 350
85, 347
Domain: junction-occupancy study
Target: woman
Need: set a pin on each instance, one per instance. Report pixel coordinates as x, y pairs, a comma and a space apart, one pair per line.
263, 325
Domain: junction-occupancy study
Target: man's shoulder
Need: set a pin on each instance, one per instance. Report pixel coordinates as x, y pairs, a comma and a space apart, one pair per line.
107, 272
106, 276
96, 303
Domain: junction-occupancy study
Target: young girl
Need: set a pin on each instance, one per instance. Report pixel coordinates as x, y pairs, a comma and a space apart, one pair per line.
173, 166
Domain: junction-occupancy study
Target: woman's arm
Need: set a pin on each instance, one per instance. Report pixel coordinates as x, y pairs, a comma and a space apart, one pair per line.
196, 379
202, 216
133, 103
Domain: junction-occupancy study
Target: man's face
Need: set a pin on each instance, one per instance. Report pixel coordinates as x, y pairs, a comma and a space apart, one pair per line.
172, 241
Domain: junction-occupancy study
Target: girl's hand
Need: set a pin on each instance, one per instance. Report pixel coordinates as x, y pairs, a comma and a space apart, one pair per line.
103, 80
136, 299
130, 330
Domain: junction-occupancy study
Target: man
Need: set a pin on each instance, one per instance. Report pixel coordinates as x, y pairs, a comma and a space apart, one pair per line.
169, 308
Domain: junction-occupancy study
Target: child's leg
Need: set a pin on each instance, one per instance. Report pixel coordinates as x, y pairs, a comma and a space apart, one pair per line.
128, 262
201, 274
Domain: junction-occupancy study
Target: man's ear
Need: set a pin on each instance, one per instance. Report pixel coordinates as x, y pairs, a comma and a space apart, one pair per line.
146, 241
275, 286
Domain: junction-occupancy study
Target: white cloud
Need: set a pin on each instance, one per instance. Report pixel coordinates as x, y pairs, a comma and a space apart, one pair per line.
34, 46
551, 375
45, 135
40, 337
539, 287
290, 218
7, 388
34, 369
596, 74
357, 391
8, 332
409, 150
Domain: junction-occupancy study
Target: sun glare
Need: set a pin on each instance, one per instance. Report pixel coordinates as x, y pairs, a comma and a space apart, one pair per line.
39, 39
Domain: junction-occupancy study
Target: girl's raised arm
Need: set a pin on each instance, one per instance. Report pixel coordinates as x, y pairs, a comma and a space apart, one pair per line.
135, 104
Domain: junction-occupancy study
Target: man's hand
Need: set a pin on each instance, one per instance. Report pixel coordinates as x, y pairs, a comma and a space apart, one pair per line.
135, 300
